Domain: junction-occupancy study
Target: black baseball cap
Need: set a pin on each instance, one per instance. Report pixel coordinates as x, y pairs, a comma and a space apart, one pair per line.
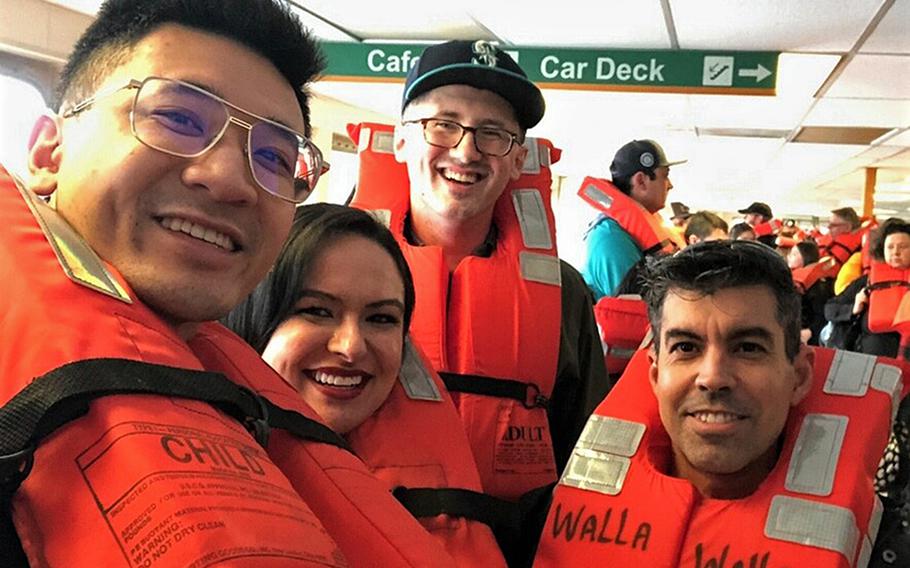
639, 156
479, 64
759, 208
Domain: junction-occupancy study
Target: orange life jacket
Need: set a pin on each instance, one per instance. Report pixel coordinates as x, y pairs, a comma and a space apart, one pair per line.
491, 327
841, 246
644, 228
416, 444
887, 287
771, 227
162, 479
623, 324
806, 276
615, 507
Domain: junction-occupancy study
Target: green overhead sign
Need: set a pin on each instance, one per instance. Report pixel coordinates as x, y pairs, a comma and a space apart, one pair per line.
674, 71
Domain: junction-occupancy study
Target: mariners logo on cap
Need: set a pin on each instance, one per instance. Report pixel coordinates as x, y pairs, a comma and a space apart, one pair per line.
484, 53
647, 159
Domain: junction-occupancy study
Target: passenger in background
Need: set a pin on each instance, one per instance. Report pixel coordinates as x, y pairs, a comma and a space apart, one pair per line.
621, 235
761, 219
742, 232
679, 219
849, 310
844, 243
815, 287
332, 318
705, 226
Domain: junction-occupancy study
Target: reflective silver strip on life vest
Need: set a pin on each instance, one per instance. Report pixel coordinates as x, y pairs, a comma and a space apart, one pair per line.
600, 460
77, 259
383, 216
540, 268
546, 159
887, 379
811, 523
596, 194
850, 374
532, 218
415, 377
383, 142
363, 139
532, 164
816, 453
865, 550
596, 471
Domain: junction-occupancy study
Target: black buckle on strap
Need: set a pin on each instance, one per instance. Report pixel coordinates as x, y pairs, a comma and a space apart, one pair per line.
258, 425
15, 467
534, 399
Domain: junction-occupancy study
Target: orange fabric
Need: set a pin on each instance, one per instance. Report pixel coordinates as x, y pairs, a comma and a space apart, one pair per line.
645, 229
842, 246
806, 276
888, 286
658, 520
421, 444
623, 324
771, 227
482, 319
161, 480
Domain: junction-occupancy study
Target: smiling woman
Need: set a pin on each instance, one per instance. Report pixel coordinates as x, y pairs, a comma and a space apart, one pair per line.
332, 318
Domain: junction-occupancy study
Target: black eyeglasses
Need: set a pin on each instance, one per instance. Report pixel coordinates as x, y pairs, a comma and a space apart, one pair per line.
184, 120
488, 140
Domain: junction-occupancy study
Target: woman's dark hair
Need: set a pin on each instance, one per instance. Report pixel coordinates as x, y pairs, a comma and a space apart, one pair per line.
889, 227
809, 251
315, 228
710, 266
267, 27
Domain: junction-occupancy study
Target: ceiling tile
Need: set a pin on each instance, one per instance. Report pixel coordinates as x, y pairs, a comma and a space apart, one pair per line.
891, 34
398, 19
874, 77
777, 25
831, 111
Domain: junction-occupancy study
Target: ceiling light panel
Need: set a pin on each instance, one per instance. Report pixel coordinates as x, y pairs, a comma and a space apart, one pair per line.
409, 20
831, 111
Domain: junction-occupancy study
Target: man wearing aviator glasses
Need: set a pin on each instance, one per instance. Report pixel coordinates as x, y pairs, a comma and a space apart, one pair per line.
171, 174
466, 108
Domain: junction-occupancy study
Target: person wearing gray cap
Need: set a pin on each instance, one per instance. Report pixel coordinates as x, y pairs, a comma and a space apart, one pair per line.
465, 110
641, 171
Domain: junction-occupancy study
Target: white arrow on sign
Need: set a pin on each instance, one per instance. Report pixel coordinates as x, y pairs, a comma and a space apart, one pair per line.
760, 73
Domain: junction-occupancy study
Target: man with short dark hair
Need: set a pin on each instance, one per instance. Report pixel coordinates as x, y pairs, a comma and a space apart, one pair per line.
509, 326
843, 220
151, 433
705, 226
706, 451
626, 228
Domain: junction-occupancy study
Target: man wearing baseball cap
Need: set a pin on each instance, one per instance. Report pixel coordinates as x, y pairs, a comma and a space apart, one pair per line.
491, 313
641, 171
759, 216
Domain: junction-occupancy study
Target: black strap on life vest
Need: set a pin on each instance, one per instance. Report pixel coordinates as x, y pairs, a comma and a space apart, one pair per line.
64, 394
429, 502
526, 393
884, 285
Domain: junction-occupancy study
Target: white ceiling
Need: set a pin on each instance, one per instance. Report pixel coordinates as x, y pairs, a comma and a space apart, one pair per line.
844, 64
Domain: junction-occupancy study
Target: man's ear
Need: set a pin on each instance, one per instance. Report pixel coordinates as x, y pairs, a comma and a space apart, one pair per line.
519, 161
652, 370
399, 143
45, 152
803, 365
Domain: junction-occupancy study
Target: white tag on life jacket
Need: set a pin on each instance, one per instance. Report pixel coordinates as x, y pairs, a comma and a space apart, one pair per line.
611, 435
541, 268
887, 379
596, 471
